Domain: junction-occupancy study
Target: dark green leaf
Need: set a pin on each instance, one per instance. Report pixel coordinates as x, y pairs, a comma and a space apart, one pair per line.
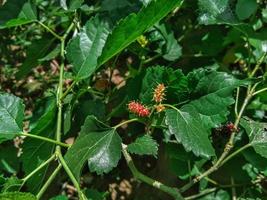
11, 115
101, 147
216, 88
37, 50
171, 50
35, 152
93, 194
216, 12
51, 55
175, 81
187, 128
245, 8
17, 196
255, 159
9, 159
16, 12
130, 28
61, 197
257, 134
84, 49
47, 118
144, 145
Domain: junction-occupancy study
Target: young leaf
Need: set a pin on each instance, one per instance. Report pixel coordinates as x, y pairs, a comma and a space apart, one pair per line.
216, 12
17, 196
12, 184
187, 128
11, 115
84, 49
257, 134
144, 145
101, 147
130, 28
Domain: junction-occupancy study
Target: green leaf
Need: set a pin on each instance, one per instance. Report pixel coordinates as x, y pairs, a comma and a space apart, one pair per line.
170, 48
216, 88
175, 81
61, 197
35, 152
16, 12
47, 118
98, 144
187, 128
51, 55
93, 194
215, 12
245, 8
130, 28
84, 49
218, 195
255, 159
71, 5
17, 196
257, 134
12, 184
9, 159
37, 50
144, 145
11, 116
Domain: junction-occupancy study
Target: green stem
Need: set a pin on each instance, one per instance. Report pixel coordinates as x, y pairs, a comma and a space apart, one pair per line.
48, 182
259, 91
71, 176
45, 139
171, 106
125, 122
151, 59
235, 153
50, 30
257, 65
68, 90
59, 116
39, 168
202, 193
174, 192
236, 101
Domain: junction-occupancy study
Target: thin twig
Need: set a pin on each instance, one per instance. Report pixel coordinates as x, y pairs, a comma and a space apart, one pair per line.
48, 182
44, 139
174, 192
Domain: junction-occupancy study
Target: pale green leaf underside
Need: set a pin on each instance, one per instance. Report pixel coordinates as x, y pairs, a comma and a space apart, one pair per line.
189, 131
11, 115
257, 134
101, 148
144, 145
